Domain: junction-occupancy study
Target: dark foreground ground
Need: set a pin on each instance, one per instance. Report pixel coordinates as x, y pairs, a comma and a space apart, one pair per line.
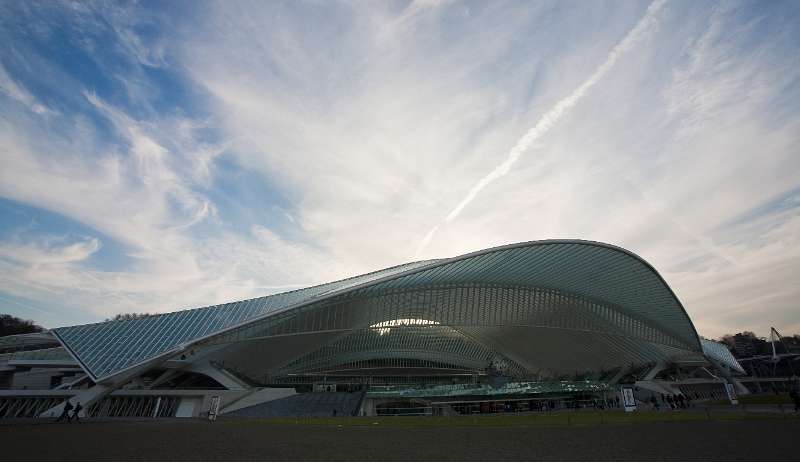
772, 440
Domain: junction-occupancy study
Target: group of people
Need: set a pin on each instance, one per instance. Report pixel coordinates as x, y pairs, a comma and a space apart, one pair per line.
678, 401
607, 403
66, 415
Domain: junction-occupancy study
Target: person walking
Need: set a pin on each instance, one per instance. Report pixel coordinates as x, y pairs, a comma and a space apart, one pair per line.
796, 398
76, 411
65, 412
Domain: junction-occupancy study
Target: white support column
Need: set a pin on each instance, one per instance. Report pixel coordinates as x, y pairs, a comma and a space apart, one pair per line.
158, 406
651, 374
100, 390
166, 375
225, 378
619, 375
74, 383
725, 372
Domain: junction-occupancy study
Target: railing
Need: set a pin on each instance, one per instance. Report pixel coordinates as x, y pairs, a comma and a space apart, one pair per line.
135, 406
15, 407
483, 389
47, 354
405, 411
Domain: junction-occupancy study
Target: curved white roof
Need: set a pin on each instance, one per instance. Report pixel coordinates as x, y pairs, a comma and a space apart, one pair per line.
554, 305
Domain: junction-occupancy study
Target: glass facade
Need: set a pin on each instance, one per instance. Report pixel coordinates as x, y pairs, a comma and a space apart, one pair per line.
720, 353
105, 348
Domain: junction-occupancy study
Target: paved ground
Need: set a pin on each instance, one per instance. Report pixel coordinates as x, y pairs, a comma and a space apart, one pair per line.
175, 441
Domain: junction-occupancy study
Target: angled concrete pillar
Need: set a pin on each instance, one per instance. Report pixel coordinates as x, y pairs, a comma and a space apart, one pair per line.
86, 397
726, 373
166, 375
653, 372
619, 375
225, 378
100, 390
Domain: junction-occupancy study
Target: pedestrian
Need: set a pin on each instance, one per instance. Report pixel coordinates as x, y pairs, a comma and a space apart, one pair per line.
76, 411
654, 402
796, 398
65, 412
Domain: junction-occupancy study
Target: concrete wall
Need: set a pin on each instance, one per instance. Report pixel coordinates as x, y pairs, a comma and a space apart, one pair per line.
258, 396
34, 379
189, 407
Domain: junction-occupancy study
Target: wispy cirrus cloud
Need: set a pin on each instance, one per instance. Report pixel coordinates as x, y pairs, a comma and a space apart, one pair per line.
19, 93
551, 117
50, 253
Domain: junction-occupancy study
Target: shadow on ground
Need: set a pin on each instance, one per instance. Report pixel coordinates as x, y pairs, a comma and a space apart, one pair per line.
189, 440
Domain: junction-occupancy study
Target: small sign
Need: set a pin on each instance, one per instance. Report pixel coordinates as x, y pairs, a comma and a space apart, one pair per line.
214, 409
628, 400
729, 388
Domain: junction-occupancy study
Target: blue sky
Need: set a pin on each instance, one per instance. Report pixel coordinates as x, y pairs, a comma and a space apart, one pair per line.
157, 156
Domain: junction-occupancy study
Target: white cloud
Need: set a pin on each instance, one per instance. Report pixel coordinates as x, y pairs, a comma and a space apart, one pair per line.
372, 122
50, 253
18, 92
551, 117
144, 196
377, 144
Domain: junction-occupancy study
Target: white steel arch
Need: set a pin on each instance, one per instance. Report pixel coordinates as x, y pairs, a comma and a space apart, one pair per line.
545, 307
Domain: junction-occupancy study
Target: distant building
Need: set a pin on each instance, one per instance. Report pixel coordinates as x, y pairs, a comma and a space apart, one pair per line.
746, 346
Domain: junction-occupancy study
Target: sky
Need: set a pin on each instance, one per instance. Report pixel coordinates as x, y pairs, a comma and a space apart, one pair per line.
157, 156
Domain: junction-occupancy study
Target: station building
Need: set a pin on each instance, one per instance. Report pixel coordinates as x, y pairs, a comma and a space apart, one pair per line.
526, 326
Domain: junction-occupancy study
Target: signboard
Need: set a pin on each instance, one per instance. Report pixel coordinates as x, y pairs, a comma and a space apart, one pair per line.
214, 409
731, 391
628, 400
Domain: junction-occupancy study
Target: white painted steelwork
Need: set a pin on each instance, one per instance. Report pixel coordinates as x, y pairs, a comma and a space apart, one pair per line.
543, 308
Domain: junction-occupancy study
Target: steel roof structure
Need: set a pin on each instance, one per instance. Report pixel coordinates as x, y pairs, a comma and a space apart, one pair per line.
540, 309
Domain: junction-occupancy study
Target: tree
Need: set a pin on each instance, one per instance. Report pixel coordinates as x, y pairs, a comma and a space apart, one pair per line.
128, 316
12, 325
728, 340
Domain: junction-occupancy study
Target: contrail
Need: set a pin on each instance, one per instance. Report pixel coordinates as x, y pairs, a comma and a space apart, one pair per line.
549, 118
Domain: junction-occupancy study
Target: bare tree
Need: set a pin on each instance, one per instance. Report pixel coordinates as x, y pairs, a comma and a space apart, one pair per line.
728, 340
12, 325
128, 316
